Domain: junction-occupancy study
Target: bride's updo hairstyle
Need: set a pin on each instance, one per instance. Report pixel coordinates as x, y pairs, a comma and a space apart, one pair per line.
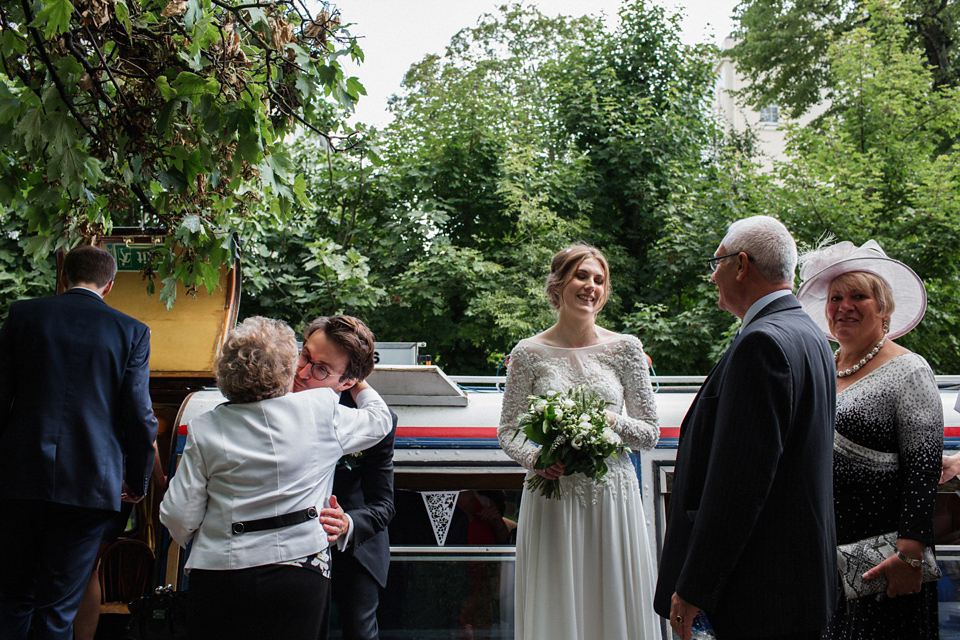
565, 264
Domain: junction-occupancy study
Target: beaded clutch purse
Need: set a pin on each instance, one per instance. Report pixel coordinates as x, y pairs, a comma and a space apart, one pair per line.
856, 558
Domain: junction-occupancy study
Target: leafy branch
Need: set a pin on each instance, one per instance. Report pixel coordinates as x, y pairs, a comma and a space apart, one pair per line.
131, 112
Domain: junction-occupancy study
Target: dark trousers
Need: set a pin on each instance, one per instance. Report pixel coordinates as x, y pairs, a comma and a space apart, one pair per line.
357, 596
271, 602
47, 552
802, 635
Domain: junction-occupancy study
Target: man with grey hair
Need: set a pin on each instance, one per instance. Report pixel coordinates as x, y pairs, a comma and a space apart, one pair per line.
750, 538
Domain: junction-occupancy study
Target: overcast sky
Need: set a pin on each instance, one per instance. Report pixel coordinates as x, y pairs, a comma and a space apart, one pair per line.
396, 34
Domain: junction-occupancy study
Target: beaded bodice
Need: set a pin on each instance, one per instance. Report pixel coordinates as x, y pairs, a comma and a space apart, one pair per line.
616, 369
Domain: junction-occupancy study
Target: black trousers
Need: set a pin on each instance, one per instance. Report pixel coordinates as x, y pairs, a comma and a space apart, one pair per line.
47, 551
357, 596
271, 602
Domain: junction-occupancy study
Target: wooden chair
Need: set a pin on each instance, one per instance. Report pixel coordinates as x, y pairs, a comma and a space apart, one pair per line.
126, 568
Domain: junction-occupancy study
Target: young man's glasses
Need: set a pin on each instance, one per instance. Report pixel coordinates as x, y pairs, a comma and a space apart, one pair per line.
317, 370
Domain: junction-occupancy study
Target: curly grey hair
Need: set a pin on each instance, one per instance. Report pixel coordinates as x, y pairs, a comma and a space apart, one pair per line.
258, 361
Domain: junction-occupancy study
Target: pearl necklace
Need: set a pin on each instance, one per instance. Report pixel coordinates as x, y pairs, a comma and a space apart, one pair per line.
867, 358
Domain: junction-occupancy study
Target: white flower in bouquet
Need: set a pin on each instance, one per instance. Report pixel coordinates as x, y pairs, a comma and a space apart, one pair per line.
582, 441
610, 436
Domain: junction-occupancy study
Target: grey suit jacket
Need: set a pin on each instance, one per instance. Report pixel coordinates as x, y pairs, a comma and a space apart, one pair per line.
750, 535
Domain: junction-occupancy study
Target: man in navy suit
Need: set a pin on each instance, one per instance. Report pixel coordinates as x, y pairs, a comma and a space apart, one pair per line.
76, 432
337, 353
750, 536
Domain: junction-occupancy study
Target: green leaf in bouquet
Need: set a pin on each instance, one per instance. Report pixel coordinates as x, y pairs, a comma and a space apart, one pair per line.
548, 457
601, 469
549, 414
536, 433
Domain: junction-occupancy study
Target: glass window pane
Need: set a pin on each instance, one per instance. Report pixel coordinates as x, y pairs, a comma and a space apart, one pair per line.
469, 517
447, 597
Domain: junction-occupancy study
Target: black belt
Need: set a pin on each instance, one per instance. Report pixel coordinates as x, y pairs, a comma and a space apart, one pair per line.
276, 522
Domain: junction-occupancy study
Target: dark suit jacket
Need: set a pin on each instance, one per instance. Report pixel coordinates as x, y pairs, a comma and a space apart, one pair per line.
750, 535
75, 406
366, 494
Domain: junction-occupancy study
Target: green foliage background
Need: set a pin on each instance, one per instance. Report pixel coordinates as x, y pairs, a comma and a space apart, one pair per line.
532, 132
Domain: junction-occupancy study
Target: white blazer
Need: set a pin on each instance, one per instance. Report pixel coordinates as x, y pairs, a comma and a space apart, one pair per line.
256, 460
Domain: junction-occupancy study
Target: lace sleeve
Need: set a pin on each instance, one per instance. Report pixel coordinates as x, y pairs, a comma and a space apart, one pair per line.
920, 436
639, 428
519, 386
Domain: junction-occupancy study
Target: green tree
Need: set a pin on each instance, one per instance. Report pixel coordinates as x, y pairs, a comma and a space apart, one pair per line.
635, 102
485, 100
323, 259
873, 168
532, 133
162, 113
21, 276
684, 331
782, 48
474, 156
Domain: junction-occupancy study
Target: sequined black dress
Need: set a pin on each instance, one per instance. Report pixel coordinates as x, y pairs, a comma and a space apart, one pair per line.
886, 464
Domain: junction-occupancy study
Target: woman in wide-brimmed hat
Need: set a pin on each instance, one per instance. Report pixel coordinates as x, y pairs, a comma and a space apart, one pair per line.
889, 436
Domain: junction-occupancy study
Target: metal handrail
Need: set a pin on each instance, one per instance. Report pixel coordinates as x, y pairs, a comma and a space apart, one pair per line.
482, 553
942, 380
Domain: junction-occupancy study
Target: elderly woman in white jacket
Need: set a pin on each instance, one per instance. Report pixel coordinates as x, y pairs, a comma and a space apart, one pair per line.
254, 475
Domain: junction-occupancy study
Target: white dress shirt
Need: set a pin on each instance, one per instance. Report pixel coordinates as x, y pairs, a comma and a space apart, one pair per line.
760, 304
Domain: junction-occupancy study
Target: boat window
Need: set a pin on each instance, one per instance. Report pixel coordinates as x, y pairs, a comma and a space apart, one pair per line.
452, 556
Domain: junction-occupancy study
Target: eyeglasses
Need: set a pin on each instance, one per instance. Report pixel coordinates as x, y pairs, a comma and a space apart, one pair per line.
715, 260
317, 370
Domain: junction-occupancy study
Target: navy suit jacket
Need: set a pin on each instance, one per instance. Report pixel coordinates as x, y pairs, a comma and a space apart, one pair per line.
75, 412
750, 535
366, 494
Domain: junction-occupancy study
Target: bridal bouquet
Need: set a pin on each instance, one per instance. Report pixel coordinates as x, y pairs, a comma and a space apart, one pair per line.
571, 427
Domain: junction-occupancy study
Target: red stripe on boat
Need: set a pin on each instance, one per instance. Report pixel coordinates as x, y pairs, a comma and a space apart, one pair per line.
485, 432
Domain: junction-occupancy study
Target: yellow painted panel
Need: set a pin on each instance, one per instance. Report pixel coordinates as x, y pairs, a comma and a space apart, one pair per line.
186, 339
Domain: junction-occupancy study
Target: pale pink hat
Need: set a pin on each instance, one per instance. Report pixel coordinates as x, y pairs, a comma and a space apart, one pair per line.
820, 267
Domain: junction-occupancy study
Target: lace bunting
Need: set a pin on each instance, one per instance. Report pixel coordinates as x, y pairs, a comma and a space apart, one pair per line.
440, 506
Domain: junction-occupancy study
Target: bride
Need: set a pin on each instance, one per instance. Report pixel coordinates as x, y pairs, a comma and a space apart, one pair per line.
584, 565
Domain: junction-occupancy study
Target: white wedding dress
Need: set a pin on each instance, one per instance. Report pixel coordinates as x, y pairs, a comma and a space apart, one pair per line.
585, 570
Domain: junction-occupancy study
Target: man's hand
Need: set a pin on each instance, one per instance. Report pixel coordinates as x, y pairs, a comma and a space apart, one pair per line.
334, 520
682, 614
357, 388
128, 496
